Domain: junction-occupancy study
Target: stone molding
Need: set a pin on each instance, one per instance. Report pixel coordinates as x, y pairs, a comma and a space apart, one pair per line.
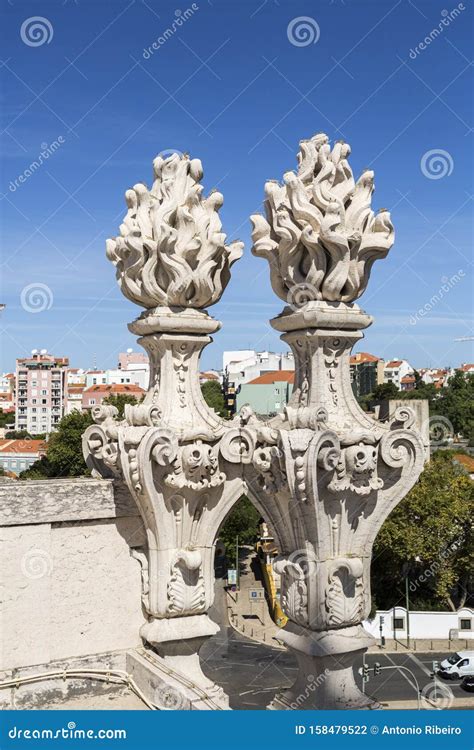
63, 500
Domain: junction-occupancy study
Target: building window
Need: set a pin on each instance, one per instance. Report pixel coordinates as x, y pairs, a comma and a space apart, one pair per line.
465, 623
398, 623
91, 401
44, 392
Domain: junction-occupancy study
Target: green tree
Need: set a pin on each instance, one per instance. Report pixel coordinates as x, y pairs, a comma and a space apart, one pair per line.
64, 451
456, 403
6, 417
429, 537
119, 400
385, 391
241, 522
213, 396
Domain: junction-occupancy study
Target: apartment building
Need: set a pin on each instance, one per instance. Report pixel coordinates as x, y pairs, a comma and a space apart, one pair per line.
366, 371
95, 394
395, 370
244, 365
40, 392
18, 455
267, 394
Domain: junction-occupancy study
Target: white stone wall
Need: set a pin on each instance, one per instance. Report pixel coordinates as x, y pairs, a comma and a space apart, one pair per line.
69, 586
424, 625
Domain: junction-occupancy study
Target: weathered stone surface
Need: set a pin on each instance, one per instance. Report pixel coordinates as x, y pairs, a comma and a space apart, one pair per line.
54, 692
69, 589
54, 500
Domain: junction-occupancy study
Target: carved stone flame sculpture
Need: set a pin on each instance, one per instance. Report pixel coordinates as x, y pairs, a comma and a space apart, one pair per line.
324, 474
320, 230
171, 249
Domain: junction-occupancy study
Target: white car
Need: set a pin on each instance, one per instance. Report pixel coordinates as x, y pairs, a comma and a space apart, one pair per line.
458, 665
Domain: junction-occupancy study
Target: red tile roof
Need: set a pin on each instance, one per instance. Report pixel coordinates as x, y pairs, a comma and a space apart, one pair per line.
394, 363
466, 461
277, 376
115, 388
22, 446
363, 357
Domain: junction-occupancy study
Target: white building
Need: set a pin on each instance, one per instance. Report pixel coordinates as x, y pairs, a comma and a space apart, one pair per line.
395, 370
431, 625
244, 365
133, 369
76, 376
138, 377
74, 398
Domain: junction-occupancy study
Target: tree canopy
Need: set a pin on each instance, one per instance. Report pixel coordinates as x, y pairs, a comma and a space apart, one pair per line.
64, 451
213, 396
241, 522
429, 537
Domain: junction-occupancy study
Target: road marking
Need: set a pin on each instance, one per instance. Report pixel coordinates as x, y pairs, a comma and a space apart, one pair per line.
420, 664
402, 672
262, 690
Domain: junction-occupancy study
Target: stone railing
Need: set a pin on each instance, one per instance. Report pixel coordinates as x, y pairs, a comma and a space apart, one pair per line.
70, 582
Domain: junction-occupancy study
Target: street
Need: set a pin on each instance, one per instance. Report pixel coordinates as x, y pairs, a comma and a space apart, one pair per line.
251, 673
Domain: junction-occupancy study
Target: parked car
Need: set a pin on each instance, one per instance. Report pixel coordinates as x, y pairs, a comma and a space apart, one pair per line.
468, 684
458, 665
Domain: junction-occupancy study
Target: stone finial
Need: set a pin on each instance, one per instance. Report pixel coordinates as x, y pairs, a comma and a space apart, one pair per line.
320, 232
171, 249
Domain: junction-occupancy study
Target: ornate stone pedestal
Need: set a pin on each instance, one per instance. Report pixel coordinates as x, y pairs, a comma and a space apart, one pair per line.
337, 472
326, 677
324, 474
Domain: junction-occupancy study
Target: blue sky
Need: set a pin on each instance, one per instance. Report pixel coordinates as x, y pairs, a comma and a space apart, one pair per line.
231, 88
